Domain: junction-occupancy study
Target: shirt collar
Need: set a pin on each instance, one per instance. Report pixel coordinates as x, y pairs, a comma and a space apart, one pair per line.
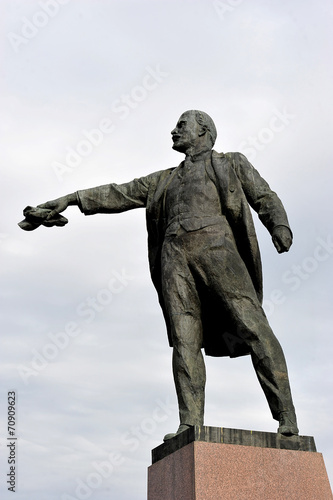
200, 155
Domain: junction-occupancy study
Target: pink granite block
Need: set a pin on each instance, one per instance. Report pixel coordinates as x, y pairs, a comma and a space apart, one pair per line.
214, 471
173, 477
230, 472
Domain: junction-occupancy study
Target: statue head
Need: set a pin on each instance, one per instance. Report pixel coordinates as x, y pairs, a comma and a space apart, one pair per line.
195, 130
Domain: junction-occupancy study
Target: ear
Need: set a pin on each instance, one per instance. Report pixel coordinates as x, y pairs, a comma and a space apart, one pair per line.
202, 131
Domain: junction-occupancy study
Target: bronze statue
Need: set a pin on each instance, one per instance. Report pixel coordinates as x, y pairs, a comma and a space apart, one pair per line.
204, 261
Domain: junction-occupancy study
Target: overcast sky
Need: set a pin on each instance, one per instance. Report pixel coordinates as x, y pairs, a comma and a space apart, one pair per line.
90, 91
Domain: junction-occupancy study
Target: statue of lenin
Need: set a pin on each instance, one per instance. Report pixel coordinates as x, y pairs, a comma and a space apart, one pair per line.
204, 261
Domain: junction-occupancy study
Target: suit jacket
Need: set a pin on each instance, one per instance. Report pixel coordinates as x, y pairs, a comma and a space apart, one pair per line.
239, 185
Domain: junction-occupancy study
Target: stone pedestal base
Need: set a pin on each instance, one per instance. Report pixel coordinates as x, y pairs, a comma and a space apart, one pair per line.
212, 463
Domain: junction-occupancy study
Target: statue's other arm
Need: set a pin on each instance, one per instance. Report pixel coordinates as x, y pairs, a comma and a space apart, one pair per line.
265, 202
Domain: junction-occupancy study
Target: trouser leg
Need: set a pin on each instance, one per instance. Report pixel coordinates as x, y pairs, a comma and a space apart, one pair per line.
270, 366
183, 309
267, 356
271, 369
188, 369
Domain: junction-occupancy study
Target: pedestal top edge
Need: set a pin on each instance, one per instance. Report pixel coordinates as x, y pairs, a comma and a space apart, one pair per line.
241, 437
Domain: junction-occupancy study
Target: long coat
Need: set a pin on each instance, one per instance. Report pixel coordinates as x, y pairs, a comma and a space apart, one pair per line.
239, 185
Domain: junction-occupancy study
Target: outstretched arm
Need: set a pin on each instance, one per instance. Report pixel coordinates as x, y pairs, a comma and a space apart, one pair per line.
110, 198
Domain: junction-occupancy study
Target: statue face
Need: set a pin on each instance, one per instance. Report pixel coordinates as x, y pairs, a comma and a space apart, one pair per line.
185, 135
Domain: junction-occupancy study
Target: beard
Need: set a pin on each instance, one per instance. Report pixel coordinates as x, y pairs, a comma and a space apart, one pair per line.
182, 145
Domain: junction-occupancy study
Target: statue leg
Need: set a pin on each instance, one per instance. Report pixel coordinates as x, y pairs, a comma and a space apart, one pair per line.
188, 368
183, 309
268, 361
273, 377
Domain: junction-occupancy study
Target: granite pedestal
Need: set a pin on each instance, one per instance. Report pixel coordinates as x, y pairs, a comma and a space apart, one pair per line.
213, 463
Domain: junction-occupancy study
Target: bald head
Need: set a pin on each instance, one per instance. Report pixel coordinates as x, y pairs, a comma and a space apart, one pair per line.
207, 123
195, 131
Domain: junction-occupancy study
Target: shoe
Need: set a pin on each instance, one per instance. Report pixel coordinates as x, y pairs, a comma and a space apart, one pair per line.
288, 424
181, 428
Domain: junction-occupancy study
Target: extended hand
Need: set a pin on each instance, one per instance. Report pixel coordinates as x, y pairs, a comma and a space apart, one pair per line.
59, 205
282, 238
